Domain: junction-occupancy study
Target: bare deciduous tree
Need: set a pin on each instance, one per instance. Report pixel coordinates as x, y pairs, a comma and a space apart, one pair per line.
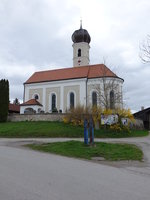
145, 50
109, 91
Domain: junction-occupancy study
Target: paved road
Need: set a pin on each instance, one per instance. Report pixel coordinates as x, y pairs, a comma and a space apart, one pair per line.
30, 175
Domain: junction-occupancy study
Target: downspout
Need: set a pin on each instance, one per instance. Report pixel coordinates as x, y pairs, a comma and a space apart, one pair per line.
24, 93
86, 85
86, 91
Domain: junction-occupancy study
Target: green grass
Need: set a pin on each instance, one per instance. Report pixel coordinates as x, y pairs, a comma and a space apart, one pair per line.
110, 151
56, 129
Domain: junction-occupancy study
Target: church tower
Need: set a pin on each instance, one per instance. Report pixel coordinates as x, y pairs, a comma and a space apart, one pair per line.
81, 40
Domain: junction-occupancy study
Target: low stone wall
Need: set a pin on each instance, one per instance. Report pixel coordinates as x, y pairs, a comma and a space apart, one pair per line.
138, 123
35, 117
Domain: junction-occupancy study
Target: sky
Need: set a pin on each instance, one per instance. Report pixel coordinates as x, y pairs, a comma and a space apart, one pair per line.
35, 35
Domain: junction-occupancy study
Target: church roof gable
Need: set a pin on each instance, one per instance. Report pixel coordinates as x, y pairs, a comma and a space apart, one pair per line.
90, 71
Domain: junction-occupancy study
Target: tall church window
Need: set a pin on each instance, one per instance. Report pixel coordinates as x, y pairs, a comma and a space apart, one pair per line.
71, 100
94, 99
53, 106
112, 100
79, 52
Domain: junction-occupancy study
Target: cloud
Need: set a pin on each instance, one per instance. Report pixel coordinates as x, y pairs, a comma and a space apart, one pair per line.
36, 35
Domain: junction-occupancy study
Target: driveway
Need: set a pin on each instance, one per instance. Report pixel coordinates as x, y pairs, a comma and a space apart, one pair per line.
28, 175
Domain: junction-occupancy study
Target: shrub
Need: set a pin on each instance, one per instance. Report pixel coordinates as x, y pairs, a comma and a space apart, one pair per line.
119, 128
96, 113
76, 115
115, 127
123, 113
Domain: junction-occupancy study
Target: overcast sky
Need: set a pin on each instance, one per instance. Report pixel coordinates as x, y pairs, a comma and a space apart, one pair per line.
35, 35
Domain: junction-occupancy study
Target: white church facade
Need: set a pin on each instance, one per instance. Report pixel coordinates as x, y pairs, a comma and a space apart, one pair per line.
62, 89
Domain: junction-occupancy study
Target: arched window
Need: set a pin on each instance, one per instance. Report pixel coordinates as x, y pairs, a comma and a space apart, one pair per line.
71, 100
36, 96
79, 52
53, 102
94, 99
39, 110
29, 111
112, 100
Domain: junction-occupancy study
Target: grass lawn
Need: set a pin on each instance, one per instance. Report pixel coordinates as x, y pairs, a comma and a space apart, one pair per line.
112, 152
56, 129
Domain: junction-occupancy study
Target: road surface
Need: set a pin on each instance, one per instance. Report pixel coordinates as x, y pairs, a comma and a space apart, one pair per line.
31, 175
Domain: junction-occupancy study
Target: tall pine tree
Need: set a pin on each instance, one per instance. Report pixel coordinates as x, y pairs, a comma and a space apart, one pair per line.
4, 99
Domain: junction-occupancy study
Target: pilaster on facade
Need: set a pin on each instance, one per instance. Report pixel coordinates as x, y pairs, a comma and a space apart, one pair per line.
62, 98
44, 98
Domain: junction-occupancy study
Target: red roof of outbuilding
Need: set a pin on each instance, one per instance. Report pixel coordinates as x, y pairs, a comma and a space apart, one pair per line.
14, 108
90, 71
31, 102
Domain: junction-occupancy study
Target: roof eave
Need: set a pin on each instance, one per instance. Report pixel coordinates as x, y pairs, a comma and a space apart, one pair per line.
73, 79
107, 77
31, 105
54, 80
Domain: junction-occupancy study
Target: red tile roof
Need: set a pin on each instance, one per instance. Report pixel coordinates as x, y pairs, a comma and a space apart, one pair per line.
14, 108
31, 102
90, 71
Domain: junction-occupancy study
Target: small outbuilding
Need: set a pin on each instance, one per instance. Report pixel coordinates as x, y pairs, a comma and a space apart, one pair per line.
31, 107
144, 115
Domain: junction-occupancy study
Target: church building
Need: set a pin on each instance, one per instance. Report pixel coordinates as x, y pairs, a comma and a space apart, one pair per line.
83, 84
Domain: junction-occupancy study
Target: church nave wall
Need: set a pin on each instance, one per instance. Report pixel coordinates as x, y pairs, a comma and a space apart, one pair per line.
39, 92
49, 92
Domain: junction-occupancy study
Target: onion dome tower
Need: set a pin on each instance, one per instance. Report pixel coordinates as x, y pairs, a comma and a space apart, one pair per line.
81, 40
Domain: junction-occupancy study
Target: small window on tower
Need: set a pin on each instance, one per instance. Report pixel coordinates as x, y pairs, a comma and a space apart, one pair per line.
79, 52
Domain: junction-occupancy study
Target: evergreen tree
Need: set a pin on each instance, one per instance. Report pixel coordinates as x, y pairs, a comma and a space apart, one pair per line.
16, 101
4, 99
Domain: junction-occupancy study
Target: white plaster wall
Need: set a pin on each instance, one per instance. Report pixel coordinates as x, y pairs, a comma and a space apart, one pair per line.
22, 109
49, 92
83, 92
58, 84
81, 83
39, 92
34, 107
84, 54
